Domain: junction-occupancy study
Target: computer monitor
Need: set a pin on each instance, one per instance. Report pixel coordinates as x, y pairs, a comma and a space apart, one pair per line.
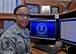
43, 29
68, 30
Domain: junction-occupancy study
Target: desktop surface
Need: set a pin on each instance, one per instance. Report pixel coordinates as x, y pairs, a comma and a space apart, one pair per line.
40, 51
45, 48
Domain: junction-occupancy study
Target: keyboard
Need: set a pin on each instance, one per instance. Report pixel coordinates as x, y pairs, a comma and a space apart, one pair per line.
45, 48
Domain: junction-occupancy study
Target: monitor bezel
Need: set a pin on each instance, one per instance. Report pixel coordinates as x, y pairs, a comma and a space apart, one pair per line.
59, 27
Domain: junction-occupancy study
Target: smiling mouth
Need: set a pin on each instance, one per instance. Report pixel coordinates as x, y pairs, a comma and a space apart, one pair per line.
25, 22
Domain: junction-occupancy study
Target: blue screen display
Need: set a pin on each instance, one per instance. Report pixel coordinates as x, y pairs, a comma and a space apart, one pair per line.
43, 28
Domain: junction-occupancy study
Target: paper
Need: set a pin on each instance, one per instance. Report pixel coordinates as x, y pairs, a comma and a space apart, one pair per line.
56, 16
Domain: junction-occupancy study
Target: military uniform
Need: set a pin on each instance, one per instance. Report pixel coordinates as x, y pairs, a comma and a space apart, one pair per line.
15, 41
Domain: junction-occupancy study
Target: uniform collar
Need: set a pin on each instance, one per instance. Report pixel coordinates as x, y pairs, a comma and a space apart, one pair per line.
17, 28
20, 31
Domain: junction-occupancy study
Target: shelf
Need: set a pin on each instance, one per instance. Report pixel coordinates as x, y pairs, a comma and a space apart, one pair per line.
42, 14
8, 16
11, 16
51, 16
69, 14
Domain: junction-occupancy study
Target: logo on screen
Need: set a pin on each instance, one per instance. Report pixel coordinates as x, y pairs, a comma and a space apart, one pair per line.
41, 28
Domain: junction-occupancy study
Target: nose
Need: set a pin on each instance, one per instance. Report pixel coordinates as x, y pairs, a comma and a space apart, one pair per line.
25, 17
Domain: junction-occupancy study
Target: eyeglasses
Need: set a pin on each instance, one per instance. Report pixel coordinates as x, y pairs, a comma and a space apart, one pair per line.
23, 16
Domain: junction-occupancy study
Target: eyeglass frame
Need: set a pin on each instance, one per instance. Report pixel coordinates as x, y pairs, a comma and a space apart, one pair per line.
23, 15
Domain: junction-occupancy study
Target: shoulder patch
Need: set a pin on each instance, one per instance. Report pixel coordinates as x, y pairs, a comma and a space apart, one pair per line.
5, 43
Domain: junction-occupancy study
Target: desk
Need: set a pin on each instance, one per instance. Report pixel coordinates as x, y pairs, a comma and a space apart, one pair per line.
42, 52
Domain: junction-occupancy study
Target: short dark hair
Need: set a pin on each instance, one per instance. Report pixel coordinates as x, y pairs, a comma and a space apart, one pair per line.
15, 10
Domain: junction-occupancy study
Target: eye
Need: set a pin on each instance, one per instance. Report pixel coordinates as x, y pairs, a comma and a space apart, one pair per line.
21, 15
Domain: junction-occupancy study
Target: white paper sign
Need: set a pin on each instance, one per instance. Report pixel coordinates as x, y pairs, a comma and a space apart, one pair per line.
56, 16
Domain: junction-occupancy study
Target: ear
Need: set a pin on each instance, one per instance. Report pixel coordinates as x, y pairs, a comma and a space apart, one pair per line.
15, 16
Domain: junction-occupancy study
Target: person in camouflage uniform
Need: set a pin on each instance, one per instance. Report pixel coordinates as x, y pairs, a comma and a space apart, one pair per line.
16, 39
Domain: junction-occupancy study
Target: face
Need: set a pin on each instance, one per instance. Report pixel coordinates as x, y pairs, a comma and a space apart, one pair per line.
22, 17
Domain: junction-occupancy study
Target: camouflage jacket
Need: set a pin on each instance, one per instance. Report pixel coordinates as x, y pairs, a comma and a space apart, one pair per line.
15, 41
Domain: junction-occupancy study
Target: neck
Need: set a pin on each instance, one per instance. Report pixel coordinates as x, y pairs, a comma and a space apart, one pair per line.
20, 26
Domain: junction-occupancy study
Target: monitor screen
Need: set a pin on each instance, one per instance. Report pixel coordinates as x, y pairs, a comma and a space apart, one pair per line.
44, 29
68, 30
